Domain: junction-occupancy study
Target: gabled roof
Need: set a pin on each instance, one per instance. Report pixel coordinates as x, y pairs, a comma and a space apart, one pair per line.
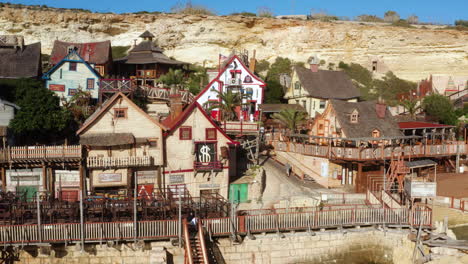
92, 52
173, 124
20, 63
275, 108
327, 84
367, 119
108, 104
68, 58
147, 53
146, 34
207, 87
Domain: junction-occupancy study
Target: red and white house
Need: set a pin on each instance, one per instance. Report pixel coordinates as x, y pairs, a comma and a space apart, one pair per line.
199, 155
235, 75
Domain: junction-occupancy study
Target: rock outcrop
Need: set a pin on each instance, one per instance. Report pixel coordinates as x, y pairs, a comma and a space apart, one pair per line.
412, 53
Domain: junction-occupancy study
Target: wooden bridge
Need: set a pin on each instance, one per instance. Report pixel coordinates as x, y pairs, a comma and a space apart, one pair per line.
281, 220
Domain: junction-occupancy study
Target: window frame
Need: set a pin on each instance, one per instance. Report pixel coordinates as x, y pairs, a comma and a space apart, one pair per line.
181, 132
72, 92
153, 143
124, 110
87, 84
376, 131
72, 66
324, 104
213, 130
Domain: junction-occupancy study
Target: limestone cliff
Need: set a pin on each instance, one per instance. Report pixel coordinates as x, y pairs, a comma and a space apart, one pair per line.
412, 53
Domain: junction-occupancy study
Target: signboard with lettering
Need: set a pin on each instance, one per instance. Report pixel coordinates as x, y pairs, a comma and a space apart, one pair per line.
175, 179
23, 177
209, 185
146, 176
57, 87
109, 177
420, 189
67, 178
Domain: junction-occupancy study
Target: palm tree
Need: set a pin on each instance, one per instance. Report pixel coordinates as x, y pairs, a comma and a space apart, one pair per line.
173, 77
411, 106
227, 103
290, 118
79, 106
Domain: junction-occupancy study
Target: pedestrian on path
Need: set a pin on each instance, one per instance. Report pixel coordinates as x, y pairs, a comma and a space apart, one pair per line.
288, 169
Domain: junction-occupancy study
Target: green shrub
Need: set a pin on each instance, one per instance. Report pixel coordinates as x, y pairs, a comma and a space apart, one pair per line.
461, 22
369, 18
264, 11
243, 14
189, 9
402, 23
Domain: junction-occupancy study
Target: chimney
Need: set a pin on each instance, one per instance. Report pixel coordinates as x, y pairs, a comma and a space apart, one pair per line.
175, 101
380, 109
253, 62
314, 64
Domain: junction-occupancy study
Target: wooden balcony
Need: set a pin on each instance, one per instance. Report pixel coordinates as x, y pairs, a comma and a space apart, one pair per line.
119, 162
116, 85
240, 127
208, 166
146, 74
372, 153
31, 154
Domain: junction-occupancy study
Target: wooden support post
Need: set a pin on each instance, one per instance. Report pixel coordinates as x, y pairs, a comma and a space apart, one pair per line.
44, 176
359, 179
51, 185
82, 178
3, 172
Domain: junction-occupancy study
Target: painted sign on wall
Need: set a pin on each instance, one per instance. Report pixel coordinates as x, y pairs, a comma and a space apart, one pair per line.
109, 177
67, 178
57, 87
23, 177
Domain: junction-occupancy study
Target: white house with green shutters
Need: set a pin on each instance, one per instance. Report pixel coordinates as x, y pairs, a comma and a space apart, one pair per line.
71, 74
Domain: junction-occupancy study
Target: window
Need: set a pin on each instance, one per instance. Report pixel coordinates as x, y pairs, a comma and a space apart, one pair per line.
90, 83
297, 86
354, 116
304, 104
210, 134
375, 133
120, 113
153, 142
71, 92
72, 66
185, 133
322, 104
60, 73
374, 66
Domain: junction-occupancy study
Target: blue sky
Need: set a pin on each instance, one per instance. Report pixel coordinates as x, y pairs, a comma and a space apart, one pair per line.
428, 11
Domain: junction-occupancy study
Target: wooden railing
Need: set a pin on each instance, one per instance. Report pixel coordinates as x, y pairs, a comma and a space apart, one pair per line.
187, 246
41, 153
113, 85
240, 127
107, 162
377, 153
207, 166
453, 203
151, 74
201, 237
286, 220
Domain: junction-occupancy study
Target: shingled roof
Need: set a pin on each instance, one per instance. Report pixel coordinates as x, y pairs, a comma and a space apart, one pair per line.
368, 119
327, 84
91, 52
147, 53
21, 63
275, 108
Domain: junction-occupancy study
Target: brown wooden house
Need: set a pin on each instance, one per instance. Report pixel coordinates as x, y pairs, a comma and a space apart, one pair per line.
18, 60
146, 62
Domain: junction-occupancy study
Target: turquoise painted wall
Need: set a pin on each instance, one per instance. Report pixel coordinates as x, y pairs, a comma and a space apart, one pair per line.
74, 79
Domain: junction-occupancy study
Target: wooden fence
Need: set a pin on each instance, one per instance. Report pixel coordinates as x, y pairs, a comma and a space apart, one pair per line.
106, 162
41, 153
240, 127
377, 153
282, 220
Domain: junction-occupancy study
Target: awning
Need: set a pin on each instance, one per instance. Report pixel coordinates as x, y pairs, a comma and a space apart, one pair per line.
420, 163
107, 139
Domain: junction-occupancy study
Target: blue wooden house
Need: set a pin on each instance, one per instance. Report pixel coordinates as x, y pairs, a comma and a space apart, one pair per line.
71, 74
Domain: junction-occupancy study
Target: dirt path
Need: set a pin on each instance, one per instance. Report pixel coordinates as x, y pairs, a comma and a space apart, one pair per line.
452, 185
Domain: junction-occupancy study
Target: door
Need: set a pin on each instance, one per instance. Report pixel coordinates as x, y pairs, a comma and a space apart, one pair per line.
238, 193
28, 191
69, 195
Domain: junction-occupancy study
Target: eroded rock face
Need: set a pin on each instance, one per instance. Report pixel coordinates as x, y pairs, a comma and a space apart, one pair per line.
411, 53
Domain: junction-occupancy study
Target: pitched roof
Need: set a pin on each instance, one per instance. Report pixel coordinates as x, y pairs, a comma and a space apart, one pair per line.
21, 63
146, 53
327, 84
173, 124
146, 34
107, 139
72, 56
92, 52
420, 125
275, 108
104, 107
367, 119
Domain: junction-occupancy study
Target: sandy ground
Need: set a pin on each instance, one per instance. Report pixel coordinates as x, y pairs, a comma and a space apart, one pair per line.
452, 185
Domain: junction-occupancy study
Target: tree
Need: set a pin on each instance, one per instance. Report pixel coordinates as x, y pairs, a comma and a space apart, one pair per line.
189, 9
227, 104
79, 106
119, 51
198, 78
264, 11
391, 16
413, 19
274, 93
40, 117
411, 106
262, 68
369, 18
460, 22
441, 108
290, 118
172, 77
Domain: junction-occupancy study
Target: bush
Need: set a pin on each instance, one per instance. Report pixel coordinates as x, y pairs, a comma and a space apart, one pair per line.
264, 11
391, 17
413, 19
463, 23
190, 9
244, 14
401, 23
440, 107
322, 16
119, 51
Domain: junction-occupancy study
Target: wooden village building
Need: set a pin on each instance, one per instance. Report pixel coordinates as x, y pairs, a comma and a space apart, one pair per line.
146, 62
236, 76
313, 88
122, 141
18, 60
199, 155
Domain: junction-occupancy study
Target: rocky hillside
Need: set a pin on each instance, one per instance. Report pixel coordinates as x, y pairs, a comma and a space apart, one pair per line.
411, 53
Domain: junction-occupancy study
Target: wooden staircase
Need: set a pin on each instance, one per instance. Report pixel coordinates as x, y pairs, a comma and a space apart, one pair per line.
195, 246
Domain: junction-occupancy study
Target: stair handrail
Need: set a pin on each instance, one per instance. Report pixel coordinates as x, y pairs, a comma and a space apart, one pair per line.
201, 237
188, 248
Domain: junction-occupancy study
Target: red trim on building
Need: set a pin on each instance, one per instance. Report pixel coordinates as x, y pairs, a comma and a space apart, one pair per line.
419, 125
210, 130
181, 132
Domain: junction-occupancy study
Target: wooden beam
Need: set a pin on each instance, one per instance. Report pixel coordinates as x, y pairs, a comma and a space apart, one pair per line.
358, 181
3, 174
44, 176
